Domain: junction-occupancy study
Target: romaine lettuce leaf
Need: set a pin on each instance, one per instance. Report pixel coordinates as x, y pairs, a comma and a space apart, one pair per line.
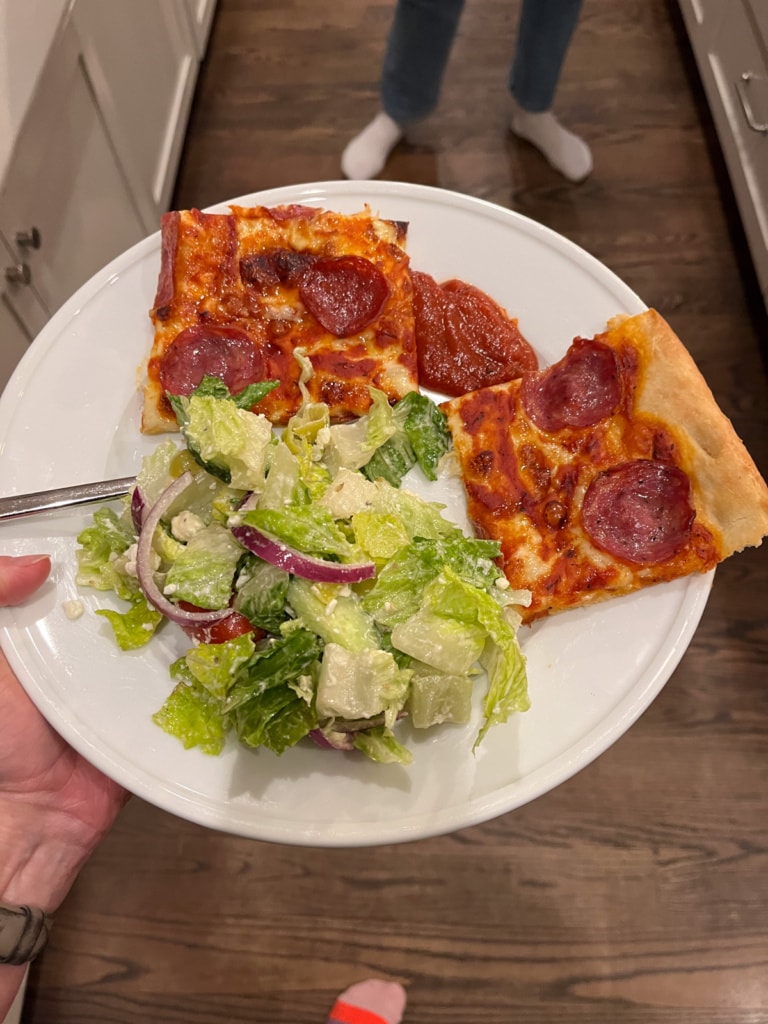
215, 666
397, 592
421, 436
260, 594
351, 445
360, 684
135, 627
275, 664
442, 642
204, 570
380, 744
334, 613
308, 528
276, 719
438, 697
99, 564
194, 717
230, 442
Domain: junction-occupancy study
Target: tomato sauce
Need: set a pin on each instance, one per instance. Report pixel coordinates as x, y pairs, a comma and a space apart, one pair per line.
464, 340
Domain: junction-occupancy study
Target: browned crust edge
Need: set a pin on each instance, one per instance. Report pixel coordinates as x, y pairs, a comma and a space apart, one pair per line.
730, 495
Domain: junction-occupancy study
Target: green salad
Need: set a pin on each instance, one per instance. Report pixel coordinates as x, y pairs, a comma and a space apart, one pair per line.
322, 599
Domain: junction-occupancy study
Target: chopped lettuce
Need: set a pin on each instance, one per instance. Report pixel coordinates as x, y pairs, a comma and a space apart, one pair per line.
230, 442
334, 613
349, 660
351, 445
134, 628
308, 528
194, 717
360, 684
380, 744
397, 592
204, 571
421, 436
438, 697
443, 642
98, 563
261, 590
215, 666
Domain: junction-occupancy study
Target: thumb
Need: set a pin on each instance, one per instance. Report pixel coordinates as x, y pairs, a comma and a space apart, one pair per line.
21, 575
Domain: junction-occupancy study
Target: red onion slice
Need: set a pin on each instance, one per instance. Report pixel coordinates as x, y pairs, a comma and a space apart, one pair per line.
342, 743
144, 560
318, 570
138, 508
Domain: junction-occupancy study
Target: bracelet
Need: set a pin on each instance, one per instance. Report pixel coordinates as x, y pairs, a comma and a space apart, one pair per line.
23, 933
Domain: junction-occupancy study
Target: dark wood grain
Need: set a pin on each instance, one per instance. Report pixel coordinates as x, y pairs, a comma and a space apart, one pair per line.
635, 893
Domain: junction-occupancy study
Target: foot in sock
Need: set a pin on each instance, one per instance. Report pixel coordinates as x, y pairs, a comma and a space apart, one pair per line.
566, 152
369, 1002
365, 156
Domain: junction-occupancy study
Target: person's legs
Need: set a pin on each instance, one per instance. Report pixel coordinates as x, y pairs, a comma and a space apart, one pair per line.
418, 47
544, 35
369, 1002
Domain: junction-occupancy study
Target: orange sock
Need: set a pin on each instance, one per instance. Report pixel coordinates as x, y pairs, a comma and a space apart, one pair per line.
369, 1002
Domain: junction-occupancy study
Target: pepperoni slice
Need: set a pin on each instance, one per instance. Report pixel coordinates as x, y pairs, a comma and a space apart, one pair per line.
344, 293
201, 351
579, 391
639, 511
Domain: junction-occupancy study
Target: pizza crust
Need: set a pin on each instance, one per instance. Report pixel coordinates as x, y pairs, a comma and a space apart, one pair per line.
730, 495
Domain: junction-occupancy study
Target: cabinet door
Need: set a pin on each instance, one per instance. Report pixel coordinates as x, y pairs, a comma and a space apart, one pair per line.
13, 341
142, 59
64, 180
14, 337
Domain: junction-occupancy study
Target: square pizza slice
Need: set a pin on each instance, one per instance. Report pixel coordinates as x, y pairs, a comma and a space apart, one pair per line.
240, 293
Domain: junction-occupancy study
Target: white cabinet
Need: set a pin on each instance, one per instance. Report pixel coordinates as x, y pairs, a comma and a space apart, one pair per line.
14, 337
94, 159
730, 43
65, 183
141, 57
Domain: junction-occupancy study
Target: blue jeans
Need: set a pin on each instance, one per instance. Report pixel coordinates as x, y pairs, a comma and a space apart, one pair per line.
420, 41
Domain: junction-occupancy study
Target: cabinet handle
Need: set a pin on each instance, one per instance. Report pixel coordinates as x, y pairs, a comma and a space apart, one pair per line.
746, 106
18, 273
29, 239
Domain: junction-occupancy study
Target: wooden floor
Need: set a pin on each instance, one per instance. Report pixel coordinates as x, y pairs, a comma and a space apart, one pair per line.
638, 891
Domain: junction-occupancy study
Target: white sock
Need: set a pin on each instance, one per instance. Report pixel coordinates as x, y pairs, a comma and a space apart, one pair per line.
365, 156
566, 152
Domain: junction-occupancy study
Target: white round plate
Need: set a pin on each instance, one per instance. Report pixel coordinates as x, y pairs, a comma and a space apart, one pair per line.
70, 414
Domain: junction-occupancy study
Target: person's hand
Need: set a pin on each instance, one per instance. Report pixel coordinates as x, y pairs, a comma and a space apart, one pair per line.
51, 799
54, 805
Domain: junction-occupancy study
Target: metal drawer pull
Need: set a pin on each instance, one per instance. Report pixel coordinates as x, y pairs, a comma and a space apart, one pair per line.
29, 239
18, 273
741, 89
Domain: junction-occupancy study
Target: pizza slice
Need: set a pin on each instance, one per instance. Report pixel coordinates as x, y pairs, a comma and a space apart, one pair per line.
240, 292
609, 471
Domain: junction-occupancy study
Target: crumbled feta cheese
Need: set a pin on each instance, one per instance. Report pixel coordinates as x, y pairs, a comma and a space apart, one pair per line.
331, 606
73, 609
170, 589
130, 560
502, 583
185, 525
